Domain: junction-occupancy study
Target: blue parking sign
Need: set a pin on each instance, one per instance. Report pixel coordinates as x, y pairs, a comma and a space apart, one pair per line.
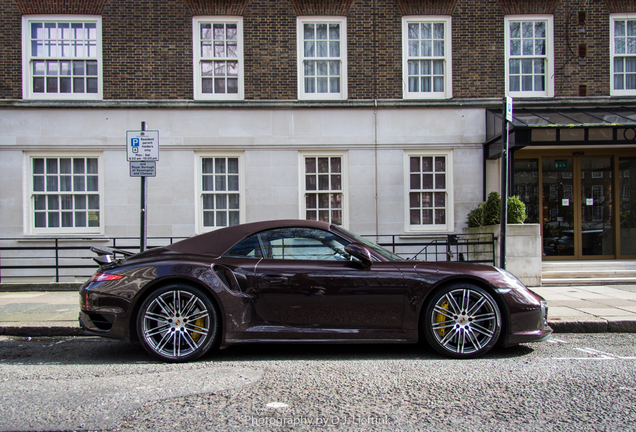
134, 143
142, 146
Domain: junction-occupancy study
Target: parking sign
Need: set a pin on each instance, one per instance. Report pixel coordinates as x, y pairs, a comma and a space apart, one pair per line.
142, 146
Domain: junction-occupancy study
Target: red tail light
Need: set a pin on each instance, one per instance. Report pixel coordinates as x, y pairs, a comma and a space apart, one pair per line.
101, 277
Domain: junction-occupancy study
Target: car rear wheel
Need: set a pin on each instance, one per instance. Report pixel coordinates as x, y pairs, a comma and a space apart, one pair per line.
177, 323
462, 321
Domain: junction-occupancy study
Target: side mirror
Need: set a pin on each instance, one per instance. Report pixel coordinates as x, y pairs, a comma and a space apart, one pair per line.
361, 252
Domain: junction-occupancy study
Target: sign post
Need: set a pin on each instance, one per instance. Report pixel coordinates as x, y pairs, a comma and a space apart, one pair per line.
142, 151
505, 177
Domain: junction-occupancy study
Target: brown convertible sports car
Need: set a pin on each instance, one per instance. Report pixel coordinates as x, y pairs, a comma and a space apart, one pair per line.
302, 281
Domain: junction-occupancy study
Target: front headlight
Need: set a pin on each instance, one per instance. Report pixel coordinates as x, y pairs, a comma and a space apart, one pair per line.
512, 280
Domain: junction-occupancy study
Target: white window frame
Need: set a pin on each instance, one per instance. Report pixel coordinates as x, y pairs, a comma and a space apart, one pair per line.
446, 58
199, 58
28, 57
344, 185
199, 192
30, 193
548, 56
614, 91
449, 226
302, 94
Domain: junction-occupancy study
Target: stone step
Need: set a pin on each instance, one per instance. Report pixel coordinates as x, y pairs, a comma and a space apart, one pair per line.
588, 272
547, 282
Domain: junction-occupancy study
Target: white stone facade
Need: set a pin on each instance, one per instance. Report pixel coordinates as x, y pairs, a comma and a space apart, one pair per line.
269, 141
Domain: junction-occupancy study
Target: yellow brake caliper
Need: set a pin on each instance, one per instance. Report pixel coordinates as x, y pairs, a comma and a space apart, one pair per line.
440, 318
199, 323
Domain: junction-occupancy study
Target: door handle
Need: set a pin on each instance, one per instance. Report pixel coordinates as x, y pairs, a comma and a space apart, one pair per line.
274, 279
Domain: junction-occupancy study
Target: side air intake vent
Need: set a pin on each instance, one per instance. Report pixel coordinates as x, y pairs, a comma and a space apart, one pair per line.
102, 322
227, 278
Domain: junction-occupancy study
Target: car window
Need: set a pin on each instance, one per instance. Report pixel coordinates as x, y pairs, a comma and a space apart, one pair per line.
248, 248
301, 248
292, 244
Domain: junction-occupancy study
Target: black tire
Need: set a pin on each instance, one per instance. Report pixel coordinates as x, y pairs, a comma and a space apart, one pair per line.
178, 323
462, 321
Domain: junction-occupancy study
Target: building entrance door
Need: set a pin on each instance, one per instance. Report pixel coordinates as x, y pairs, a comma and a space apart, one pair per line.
597, 221
557, 197
578, 221
582, 201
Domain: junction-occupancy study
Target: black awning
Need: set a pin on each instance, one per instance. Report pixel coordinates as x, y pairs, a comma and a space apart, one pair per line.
561, 126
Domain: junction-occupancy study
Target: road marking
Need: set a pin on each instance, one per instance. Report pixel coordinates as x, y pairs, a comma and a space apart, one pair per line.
598, 355
276, 405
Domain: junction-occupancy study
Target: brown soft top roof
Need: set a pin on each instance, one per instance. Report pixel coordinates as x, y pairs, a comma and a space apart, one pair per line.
217, 242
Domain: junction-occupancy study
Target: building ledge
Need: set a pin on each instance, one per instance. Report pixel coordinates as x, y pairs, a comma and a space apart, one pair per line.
481, 103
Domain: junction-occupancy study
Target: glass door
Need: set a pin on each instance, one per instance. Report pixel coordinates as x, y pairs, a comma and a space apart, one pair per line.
597, 219
627, 205
582, 199
558, 207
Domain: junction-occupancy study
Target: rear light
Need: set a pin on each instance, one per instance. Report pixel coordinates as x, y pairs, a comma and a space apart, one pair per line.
101, 277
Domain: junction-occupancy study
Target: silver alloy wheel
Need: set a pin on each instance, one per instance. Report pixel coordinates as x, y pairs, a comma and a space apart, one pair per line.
464, 322
177, 323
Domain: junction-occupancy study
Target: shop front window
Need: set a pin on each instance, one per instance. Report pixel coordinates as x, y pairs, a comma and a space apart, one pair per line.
526, 174
627, 204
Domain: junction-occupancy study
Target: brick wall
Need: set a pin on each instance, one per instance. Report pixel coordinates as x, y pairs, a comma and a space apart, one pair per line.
479, 57
10, 50
147, 50
147, 46
572, 71
269, 28
478, 49
374, 50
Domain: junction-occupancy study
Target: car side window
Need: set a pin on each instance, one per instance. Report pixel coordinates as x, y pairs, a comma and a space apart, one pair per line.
301, 248
292, 244
247, 248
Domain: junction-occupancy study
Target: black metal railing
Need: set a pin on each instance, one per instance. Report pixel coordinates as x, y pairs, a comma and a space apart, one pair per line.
60, 258
475, 248
63, 259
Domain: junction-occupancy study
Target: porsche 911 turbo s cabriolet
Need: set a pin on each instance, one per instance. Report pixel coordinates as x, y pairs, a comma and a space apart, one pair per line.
302, 281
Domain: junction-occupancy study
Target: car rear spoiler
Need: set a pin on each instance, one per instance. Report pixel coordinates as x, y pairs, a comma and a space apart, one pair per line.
106, 255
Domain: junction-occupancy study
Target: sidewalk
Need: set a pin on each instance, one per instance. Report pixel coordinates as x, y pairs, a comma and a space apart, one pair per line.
39, 313
590, 309
576, 309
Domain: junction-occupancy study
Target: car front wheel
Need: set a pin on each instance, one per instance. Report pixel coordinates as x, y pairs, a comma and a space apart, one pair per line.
462, 321
177, 323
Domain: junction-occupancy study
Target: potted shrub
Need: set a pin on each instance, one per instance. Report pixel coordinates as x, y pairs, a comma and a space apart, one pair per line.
489, 212
523, 245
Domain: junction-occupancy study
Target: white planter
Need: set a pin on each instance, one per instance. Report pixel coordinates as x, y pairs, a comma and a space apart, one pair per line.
523, 250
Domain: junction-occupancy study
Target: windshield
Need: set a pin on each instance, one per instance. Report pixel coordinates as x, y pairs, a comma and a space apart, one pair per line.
373, 246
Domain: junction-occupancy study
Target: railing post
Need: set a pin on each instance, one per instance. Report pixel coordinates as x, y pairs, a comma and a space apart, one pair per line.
57, 261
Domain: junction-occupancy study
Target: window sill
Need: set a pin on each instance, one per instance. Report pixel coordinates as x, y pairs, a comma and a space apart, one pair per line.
64, 238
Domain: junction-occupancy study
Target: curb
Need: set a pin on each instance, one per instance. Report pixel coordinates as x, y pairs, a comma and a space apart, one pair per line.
49, 287
40, 330
597, 326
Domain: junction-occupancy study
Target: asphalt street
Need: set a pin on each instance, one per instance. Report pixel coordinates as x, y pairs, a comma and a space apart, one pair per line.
578, 381
574, 382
